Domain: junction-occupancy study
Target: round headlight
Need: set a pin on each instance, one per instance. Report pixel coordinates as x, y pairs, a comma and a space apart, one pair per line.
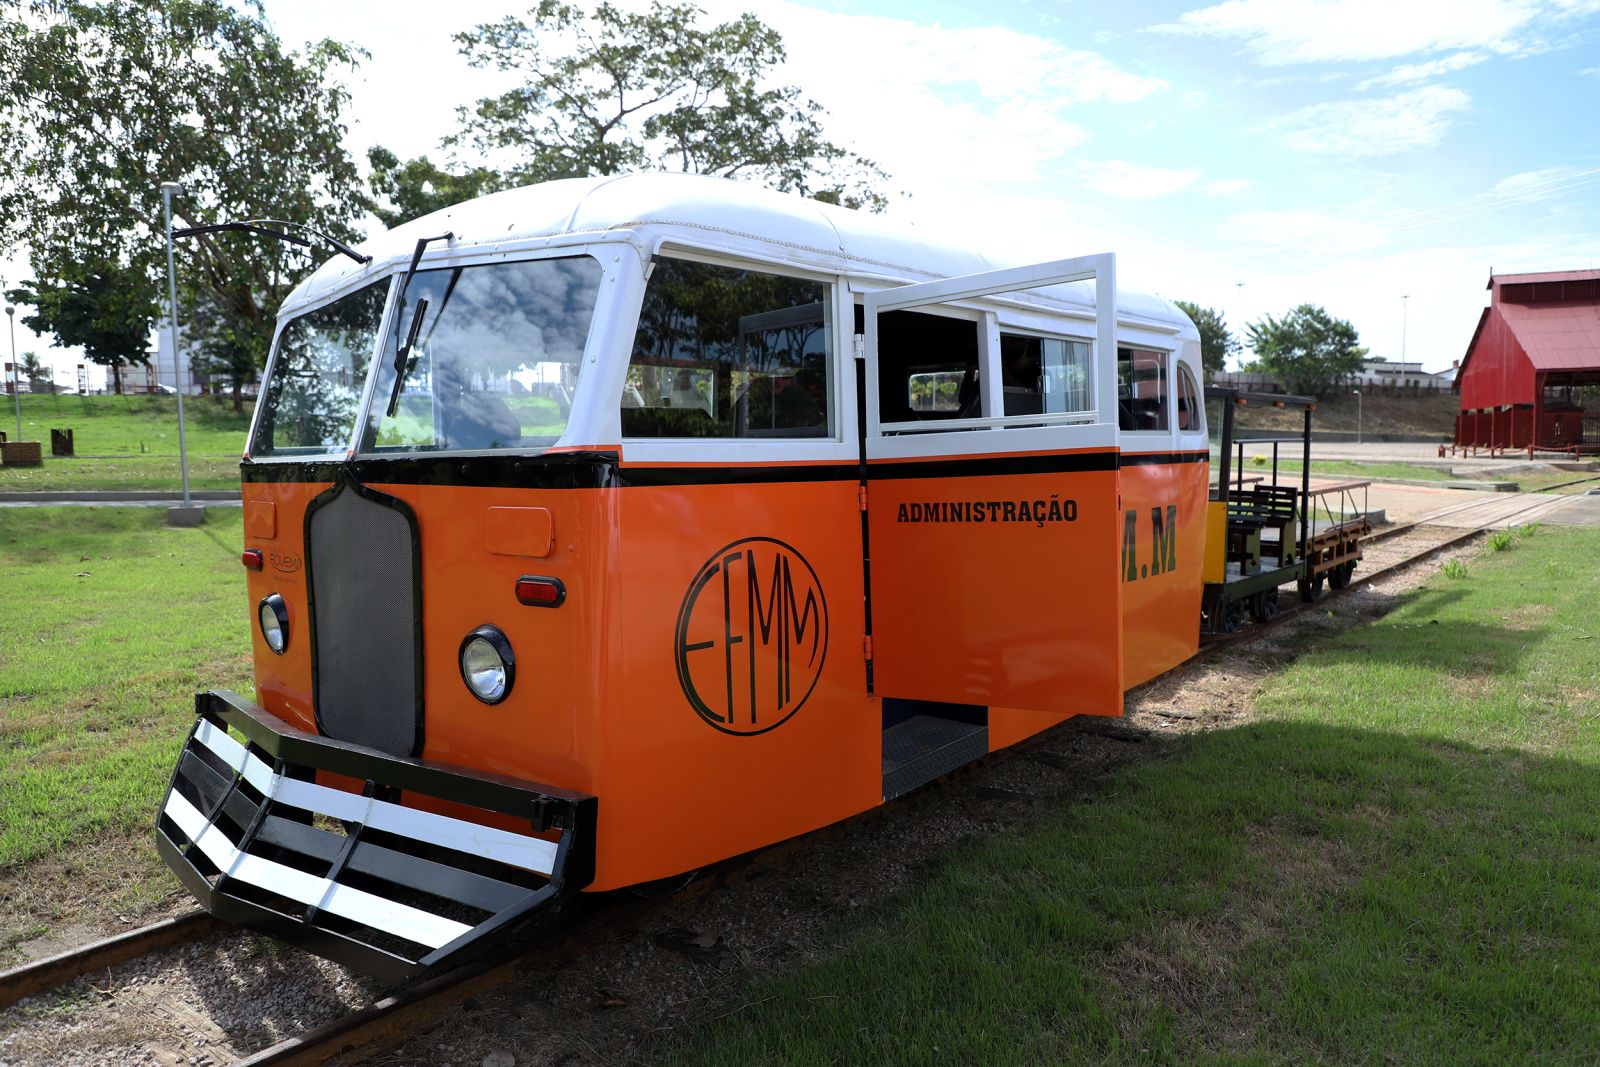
274, 616
487, 665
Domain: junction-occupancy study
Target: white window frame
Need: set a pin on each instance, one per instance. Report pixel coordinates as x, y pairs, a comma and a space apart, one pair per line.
947, 294
840, 444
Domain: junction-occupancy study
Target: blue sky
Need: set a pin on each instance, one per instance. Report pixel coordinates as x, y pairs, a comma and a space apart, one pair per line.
1342, 153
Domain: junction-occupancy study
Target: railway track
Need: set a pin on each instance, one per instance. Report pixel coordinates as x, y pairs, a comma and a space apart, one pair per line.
1211, 646
416, 1008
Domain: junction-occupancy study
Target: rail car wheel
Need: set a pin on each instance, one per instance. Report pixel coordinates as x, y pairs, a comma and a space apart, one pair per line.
1232, 616
1339, 577
1264, 605
1311, 589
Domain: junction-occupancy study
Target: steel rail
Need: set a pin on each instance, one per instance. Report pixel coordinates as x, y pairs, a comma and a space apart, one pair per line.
31, 979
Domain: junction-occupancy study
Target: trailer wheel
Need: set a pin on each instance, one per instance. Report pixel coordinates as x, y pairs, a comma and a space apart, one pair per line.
1311, 589
1264, 605
1232, 616
1339, 577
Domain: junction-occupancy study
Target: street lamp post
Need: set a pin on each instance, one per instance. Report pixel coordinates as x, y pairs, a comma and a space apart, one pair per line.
1357, 394
16, 372
167, 191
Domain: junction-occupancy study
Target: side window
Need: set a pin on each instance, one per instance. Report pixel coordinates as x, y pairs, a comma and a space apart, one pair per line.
1043, 375
1191, 413
927, 367
1141, 389
728, 352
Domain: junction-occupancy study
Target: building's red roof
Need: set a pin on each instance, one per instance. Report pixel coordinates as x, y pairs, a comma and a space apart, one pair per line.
1557, 337
1545, 276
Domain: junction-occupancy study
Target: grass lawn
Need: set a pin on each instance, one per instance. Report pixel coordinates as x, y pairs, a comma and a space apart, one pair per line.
1398, 860
110, 621
135, 425
126, 473
130, 442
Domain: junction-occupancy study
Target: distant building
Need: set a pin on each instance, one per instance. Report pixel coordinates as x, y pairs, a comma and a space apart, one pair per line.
1537, 344
1378, 373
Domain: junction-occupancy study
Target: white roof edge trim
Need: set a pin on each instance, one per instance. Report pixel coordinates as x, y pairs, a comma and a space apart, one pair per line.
695, 207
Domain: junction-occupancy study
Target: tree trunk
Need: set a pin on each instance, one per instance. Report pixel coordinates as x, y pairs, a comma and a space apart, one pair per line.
116, 377
238, 400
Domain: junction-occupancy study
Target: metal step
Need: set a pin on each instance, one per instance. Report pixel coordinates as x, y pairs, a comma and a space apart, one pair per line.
923, 747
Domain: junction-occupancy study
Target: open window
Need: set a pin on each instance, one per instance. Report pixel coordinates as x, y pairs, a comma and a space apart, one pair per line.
936, 364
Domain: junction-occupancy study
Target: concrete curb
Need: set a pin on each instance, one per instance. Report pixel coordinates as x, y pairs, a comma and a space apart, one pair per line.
90, 496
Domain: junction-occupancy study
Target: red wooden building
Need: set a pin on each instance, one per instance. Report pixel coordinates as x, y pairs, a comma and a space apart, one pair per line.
1536, 347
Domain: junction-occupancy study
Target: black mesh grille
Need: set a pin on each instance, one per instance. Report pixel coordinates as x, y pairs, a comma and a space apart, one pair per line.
364, 604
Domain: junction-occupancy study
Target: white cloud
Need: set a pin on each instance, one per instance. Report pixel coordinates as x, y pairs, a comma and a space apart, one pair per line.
1130, 181
1311, 31
1590, 72
1006, 102
1416, 72
1226, 186
1532, 186
1416, 119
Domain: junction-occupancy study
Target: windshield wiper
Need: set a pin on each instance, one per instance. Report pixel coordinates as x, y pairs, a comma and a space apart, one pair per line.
403, 353
402, 356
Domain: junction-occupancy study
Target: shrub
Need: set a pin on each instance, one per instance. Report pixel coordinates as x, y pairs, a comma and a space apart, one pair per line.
1529, 530
1501, 540
1455, 568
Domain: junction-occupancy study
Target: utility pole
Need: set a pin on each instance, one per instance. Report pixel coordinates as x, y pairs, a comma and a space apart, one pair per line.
187, 514
1357, 394
16, 372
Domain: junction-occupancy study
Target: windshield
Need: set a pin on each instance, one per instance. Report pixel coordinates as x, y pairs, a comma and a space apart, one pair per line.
494, 361
310, 404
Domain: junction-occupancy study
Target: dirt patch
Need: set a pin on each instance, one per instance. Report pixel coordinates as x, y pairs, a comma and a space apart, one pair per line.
68, 899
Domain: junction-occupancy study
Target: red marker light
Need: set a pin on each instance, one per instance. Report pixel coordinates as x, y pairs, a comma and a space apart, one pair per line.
252, 558
541, 592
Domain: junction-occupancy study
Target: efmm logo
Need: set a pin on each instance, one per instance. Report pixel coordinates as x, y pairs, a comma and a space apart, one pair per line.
752, 635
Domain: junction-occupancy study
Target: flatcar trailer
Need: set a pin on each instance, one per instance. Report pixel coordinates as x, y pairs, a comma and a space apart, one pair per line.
1258, 531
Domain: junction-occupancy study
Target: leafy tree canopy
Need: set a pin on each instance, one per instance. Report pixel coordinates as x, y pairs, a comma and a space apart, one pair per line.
608, 91
1217, 343
100, 102
98, 305
1309, 350
409, 190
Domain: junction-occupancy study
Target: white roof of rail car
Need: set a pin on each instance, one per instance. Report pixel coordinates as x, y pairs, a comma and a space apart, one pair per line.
691, 210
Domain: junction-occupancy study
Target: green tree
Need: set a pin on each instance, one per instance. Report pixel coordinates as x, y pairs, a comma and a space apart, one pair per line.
33, 368
97, 304
608, 91
416, 187
1217, 343
223, 347
1309, 350
100, 102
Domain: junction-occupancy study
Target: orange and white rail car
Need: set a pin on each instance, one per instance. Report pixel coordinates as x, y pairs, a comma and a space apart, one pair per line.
602, 529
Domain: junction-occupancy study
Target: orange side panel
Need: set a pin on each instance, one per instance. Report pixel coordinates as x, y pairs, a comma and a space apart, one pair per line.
1161, 582
742, 716
544, 731
283, 683
1007, 611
